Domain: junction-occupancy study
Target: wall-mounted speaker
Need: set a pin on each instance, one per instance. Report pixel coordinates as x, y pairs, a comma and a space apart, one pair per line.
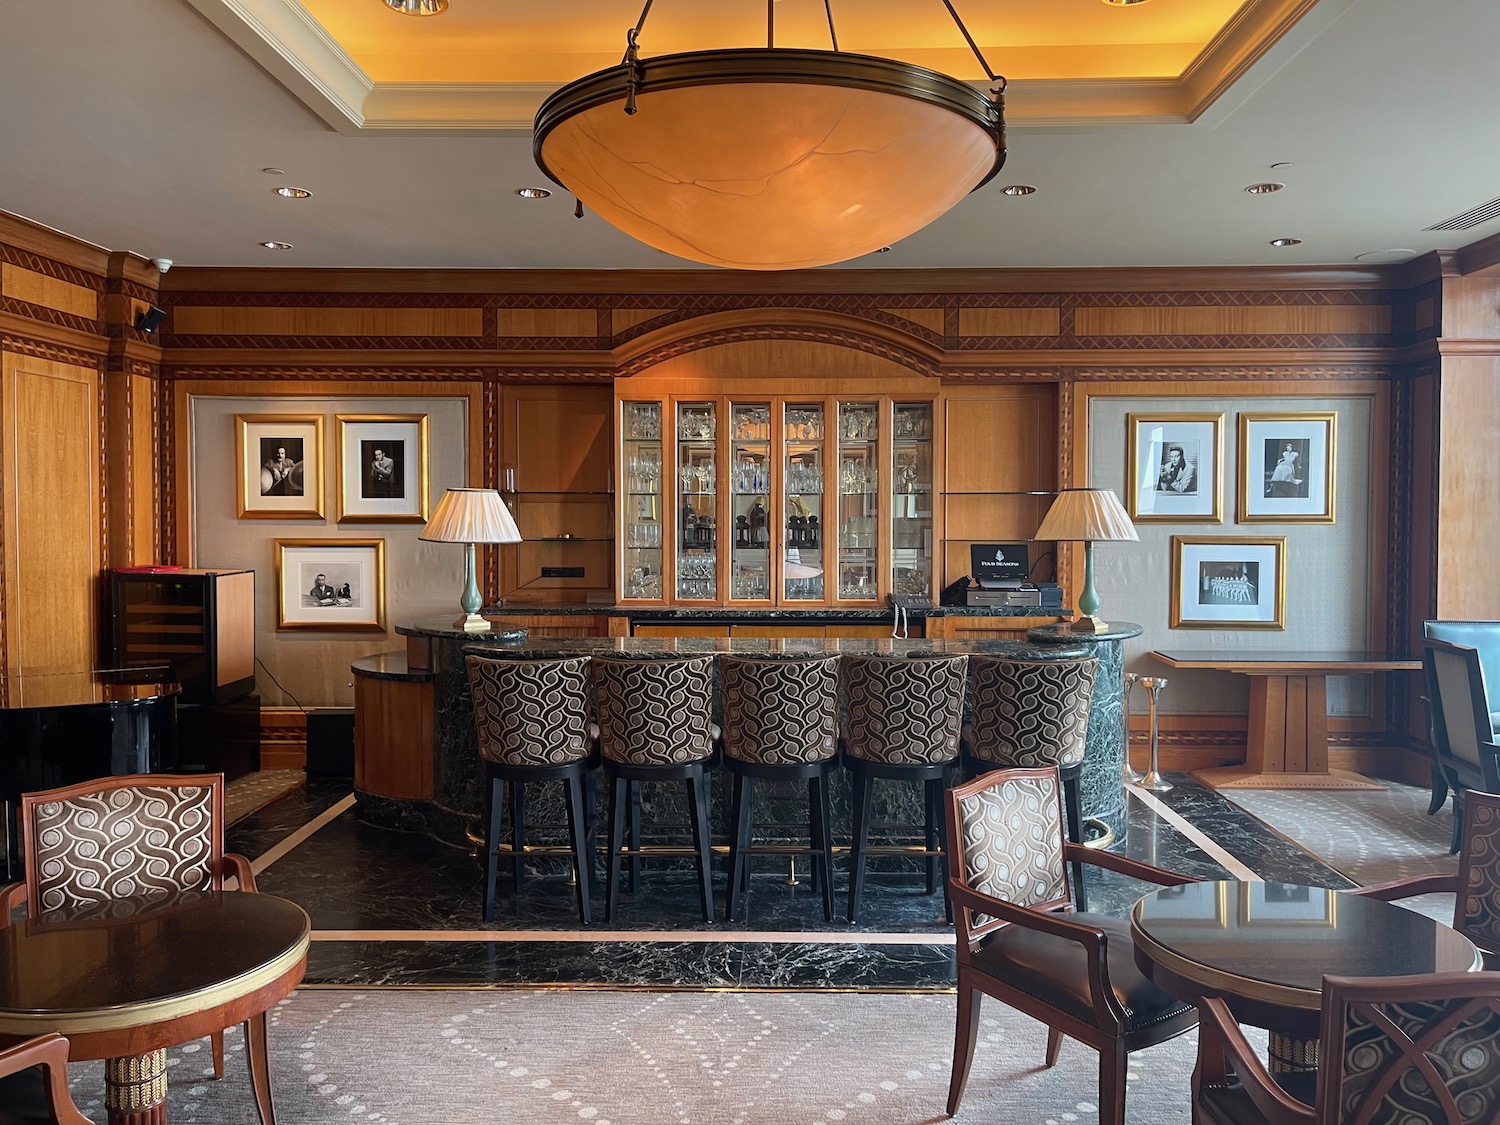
150, 318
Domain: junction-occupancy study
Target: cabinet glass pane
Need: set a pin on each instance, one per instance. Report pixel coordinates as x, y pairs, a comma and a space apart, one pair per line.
802, 481
697, 509
750, 500
642, 469
911, 507
858, 499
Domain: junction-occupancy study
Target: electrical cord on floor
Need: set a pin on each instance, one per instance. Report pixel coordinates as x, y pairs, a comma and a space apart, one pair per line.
262, 665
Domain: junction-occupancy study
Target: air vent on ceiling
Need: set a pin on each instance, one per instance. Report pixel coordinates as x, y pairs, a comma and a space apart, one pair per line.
1483, 213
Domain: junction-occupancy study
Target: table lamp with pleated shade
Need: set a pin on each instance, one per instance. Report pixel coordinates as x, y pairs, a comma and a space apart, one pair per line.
470, 516
1089, 516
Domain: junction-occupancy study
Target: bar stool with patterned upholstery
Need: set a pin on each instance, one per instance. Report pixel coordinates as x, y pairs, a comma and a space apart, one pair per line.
1030, 714
781, 716
531, 718
655, 724
903, 721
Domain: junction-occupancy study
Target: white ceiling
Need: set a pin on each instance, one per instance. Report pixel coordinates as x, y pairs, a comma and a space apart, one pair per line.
137, 125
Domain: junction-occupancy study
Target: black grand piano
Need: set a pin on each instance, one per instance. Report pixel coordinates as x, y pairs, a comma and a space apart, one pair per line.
61, 729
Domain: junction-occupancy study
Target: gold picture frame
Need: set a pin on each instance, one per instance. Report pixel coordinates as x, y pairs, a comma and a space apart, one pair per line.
1174, 467
279, 466
330, 585
1288, 466
1228, 582
382, 468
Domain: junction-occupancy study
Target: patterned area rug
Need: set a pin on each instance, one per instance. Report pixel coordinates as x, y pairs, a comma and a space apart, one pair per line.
406, 1057
254, 791
1371, 836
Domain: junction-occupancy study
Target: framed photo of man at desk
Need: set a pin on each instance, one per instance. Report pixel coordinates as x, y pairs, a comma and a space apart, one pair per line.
1174, 466
1228, 582
279, 466
382, 468
333, 585
1287, 467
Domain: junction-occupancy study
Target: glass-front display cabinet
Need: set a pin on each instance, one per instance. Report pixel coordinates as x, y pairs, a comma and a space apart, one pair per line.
776, 501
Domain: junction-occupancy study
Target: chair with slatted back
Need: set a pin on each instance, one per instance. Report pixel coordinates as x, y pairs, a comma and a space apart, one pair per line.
34, 1084
130, 837
655, 724
1020, 941
532, 722
1419, 1050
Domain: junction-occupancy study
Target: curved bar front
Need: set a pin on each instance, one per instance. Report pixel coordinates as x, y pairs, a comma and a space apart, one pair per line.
453, 802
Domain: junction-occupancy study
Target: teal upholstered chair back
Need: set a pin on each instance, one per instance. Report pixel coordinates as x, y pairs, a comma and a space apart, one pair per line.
1484, 638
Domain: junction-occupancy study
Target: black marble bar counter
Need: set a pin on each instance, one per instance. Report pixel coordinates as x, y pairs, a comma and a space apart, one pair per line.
456, 801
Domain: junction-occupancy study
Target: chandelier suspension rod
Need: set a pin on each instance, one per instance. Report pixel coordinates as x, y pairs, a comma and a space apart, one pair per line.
973, 46
770, 23
832, 34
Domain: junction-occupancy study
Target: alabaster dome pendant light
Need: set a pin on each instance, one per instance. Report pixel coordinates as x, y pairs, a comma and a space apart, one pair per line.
771, 158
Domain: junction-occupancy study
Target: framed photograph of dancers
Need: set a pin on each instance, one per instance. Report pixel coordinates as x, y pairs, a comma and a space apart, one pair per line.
279, 466
1287, 467
1228, 582
1174, 466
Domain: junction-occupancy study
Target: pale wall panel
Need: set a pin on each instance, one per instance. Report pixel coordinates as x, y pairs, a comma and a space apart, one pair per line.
51, 501
1242, 320
212, 320
1327, 574
49, 292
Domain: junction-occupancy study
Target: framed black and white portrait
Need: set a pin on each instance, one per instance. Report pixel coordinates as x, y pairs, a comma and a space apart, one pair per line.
278, 460
1287, 467
1228, 582
383, 468
1174, 463
336, 585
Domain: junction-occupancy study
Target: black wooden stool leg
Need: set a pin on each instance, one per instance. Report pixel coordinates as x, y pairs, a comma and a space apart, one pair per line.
931, 801
583, 858
494, 808
737, 842
517, 835
1074, 810
635, 834
815, 862
825, 844
864, 786
697, 787
618, 799
945, 860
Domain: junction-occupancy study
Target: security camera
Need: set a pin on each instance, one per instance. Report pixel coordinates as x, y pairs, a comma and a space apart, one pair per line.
162, 264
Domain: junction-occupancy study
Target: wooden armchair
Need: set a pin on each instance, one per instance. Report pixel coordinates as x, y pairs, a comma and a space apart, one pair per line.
25, 1099
1020, 941
1393, 1049
1476, 886
90, 844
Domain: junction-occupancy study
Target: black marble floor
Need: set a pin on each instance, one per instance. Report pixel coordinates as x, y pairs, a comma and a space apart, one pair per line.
400, 908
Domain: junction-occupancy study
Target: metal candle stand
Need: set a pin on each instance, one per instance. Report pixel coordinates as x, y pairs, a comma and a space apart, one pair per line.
1153, 779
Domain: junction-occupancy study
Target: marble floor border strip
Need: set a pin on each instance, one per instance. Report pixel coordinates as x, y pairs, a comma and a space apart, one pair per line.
1234, 866
584, 986
770, 937
302, 835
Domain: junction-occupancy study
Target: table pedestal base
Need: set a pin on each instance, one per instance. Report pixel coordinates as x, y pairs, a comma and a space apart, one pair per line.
135, 1089
1286, 1054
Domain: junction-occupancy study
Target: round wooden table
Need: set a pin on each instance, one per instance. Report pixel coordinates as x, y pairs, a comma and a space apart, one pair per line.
132, 977
1265, 948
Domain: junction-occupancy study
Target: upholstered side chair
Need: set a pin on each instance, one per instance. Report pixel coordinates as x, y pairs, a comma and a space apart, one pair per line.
34, 1083
655, 724
532, 722
781, 716
1419, 1049
1475, 887
1021, 941
1460, 726
91, 845
904, 716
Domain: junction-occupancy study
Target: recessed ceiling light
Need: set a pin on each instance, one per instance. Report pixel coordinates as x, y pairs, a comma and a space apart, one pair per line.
1281, 164
883, 250
1264, 189
418, 7
1018, 189
274, 171
293, 192
1286, 242
1123, 3
274, 245
533, 192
